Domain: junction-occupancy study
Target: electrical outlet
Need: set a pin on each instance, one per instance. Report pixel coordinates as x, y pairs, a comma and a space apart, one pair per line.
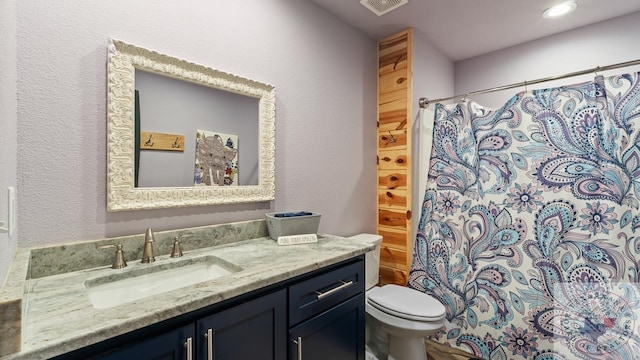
11, 221
9, 228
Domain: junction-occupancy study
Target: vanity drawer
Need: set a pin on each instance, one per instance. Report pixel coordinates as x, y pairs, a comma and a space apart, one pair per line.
324, 291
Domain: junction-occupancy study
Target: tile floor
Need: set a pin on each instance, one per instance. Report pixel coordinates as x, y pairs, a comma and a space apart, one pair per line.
438, 351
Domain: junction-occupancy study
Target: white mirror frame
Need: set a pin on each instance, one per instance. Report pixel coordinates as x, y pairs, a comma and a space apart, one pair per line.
124, 59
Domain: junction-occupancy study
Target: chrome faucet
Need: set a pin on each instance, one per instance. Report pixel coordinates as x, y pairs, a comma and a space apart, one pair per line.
147, 252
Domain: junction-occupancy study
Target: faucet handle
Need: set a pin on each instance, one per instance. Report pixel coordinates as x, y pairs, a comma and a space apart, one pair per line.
118, 261
177, 251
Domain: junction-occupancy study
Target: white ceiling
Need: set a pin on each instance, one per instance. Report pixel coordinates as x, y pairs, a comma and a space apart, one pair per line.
462, 29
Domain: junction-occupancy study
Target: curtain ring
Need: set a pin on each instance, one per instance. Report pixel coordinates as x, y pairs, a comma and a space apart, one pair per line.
525, 86
597, 70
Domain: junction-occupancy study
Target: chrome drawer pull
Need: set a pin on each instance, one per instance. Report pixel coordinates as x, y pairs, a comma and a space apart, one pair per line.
209, 336
338, 288
299, 343
189, 346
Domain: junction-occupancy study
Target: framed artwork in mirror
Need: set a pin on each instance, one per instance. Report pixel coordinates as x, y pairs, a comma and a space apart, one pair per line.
216, 159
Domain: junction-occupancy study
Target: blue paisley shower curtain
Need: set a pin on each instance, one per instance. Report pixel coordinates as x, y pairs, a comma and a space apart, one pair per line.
530, 227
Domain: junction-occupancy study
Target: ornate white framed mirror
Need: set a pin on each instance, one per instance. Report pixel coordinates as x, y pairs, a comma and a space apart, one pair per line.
199, 180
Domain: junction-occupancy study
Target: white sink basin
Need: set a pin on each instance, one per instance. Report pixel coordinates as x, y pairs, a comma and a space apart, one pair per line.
148, 280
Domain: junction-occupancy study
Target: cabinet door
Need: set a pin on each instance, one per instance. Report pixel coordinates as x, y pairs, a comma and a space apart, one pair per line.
253, 330
337, 334
172, 345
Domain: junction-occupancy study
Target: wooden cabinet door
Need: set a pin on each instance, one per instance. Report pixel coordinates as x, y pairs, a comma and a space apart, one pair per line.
337, 334
171, 345
253, 330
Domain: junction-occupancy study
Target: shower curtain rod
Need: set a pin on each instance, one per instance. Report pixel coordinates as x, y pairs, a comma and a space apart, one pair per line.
424, 102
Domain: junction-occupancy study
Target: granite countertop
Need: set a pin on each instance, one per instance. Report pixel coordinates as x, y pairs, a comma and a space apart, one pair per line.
58, 316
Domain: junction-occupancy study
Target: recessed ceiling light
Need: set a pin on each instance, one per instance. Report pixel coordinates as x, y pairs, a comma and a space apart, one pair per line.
560, 9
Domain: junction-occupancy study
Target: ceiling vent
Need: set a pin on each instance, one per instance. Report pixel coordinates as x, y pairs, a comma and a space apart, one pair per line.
380, 7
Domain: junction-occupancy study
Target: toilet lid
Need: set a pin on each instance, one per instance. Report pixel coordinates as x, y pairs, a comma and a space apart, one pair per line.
406, 303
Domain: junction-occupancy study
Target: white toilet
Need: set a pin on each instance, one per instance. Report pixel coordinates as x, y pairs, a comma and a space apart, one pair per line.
407, 315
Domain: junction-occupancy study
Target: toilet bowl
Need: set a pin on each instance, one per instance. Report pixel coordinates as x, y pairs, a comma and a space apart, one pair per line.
408, 316
405, 314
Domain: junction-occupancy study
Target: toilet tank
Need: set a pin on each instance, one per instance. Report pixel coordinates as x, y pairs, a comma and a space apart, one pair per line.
371, 258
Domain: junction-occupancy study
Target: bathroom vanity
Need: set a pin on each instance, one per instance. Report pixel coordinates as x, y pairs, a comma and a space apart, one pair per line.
274, 302
319, 315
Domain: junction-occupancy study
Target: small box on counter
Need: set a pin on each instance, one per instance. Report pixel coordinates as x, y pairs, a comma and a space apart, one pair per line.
292, 223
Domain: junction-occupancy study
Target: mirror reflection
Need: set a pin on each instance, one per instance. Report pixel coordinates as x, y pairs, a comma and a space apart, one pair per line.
211, 136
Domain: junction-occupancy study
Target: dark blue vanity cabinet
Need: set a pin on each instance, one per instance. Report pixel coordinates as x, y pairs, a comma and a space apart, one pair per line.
253, 330
337, 334
172, 345
319, 315
326, 315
